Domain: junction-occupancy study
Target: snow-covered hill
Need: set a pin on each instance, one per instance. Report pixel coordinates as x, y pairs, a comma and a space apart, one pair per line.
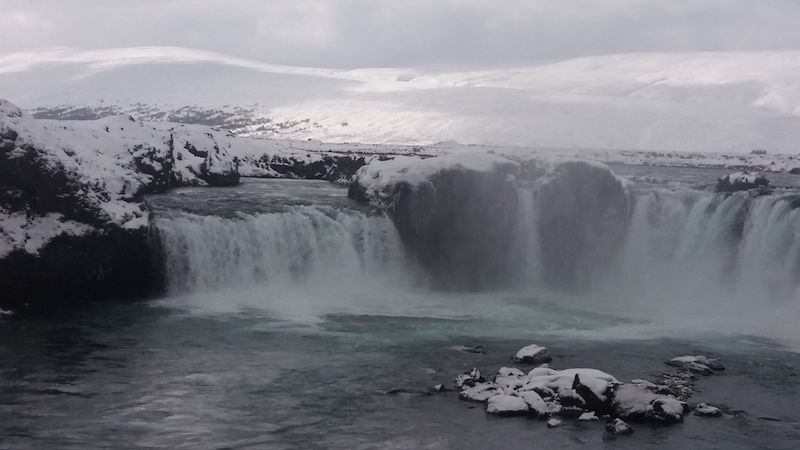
702, 102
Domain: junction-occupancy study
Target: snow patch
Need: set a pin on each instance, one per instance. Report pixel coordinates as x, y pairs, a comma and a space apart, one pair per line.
30, 232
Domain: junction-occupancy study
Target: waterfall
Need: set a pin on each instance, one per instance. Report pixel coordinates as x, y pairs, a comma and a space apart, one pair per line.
301, 245
648, 246
689, 247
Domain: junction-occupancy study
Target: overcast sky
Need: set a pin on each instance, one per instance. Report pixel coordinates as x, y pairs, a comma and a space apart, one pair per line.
407, 33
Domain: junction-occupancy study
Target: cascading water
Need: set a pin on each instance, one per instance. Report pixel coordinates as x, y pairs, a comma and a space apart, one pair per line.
303, 245
243, 238
649, 247
692, 246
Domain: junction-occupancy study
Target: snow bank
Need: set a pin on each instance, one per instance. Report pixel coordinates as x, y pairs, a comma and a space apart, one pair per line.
31, 233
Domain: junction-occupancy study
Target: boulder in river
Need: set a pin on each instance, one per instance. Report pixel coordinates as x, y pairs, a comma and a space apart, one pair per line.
469, 378
741, 181
698, 364
706, 410
533, 354
619, 427
507, 405
553, 423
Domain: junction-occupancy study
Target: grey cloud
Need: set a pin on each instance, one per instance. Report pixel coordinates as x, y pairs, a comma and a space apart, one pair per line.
416, 33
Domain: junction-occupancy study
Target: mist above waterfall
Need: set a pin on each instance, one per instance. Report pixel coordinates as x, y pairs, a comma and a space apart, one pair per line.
581, 239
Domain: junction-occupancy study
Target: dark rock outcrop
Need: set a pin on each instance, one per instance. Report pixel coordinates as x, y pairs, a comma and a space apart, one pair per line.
106, 264
471, 225
583, 211
331, 167
742, 181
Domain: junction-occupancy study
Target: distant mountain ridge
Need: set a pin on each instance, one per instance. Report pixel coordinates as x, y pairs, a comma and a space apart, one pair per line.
698, 102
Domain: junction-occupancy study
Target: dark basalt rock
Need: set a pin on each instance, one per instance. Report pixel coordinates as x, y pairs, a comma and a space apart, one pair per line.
742, 181
111, 263
591, 400
457, 225
618, 427
465, 227
45, 186
334, 168
583, 216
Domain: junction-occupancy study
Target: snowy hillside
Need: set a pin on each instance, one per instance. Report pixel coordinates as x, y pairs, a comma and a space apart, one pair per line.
701, 102
81, 177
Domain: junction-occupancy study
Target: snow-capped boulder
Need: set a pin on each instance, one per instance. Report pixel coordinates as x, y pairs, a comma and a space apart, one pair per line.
201, 156
510, 372
533, 354
536, 403
635, 402
618, 427
469, 378
741, 181
480, 392
509, 377
507, 405
589, 416
698, 364
554, 423
704, 409
650, 386
570, 398
477, 349
597, 381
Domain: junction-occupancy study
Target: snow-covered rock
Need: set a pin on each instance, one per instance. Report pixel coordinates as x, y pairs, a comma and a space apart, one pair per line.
553, 423
699, 364
636, 402
536, 403
598, 381
533, 354
480, 392
570, 398
741, 181
619, 427
477, 349
469, 378
507, 405
510, 372
589, 416
704, 409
